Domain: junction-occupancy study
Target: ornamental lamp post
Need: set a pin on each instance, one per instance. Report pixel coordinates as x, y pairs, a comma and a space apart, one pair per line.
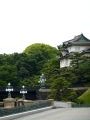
43, 91
42, 81
9, 89
23, 91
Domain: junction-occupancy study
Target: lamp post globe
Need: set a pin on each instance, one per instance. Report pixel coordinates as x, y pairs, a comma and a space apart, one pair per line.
23, 91
9, 89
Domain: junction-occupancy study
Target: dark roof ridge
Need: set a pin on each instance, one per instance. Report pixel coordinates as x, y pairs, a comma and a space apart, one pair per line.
76, 38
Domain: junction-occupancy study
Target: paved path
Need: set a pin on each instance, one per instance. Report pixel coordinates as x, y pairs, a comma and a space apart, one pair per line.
60, 114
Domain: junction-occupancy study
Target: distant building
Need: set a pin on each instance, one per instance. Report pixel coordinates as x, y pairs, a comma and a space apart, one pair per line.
78, 44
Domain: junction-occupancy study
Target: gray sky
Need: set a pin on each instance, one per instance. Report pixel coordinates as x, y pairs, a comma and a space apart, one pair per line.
23, 22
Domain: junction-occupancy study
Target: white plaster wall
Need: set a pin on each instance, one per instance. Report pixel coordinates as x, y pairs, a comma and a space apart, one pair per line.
64, 53
77, 48
65, 63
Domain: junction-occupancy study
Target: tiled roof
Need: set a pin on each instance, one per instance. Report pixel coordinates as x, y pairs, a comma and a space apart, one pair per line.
80, 39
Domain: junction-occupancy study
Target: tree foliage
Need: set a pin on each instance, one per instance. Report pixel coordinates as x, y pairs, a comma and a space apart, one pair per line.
43, 50
81, 69
25, 68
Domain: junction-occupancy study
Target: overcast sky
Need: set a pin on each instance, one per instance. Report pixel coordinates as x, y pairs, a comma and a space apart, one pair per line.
24, 22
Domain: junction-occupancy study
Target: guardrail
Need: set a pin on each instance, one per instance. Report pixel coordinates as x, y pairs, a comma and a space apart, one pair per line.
80, 105
32, 106
61, 104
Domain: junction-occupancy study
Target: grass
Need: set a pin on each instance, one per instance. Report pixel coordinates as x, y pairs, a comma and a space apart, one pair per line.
85, 97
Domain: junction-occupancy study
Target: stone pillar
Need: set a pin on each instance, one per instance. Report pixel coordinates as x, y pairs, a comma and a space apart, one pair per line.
9, 103
52, 101
43, 93
20, 102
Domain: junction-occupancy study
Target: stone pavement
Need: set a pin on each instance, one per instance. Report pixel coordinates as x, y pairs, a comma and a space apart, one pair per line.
60, 114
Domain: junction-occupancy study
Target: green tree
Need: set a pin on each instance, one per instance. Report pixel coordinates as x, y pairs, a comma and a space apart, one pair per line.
45, 50
8, 74
51, 70
41, 54
59, 88
81, 69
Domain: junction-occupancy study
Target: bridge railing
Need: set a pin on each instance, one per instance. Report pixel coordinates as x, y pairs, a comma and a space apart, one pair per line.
80, 105
19, 109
